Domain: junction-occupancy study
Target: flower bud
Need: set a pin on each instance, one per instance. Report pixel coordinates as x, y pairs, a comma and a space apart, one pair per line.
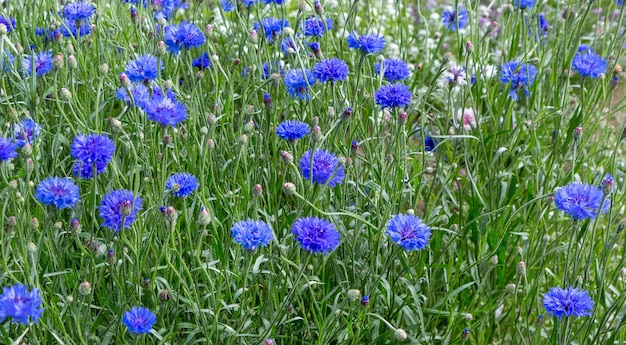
511, 288
286, 157
211, 144
289, 188
400, 334
65, 94
3, 29
31, 247
521, 268
34, 223
57, 61
115, 124
469, 47
354, 295
493, 260
84, 288
164, 296
208, 30
125, 208
161, 48
402, 118
316, 134
243, 139
124, 80
27, 150
365, 301
578, 134
69, 49
248, 127
257, 190
267, 101
447, 56
71, 62
204, 218
253, 37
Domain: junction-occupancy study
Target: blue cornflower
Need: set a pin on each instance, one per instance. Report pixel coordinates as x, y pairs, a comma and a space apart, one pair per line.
314, 26
589, 64
277, 2
455, 20
367, 43
268, 69
430, 143
7, 149
321, 167
68, 29
141, 95
292, 130
287, 44
316, 235
252, 234
58, 191
228, 5
272, 27
393, 70
202, 61
182, 184
8, 22
581, 201
331, 70
76, 11
117, 207
20, 304
408, 232
297, 82
519, 75
393, 96
184, 35
166, 111
145, 68
26, 131
42, 63
89, 151
568, 302
139, 320
248, 3
167, 8
47, 33
523, 3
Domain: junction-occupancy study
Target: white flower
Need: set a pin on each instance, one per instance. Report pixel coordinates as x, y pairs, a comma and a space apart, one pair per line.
466, 118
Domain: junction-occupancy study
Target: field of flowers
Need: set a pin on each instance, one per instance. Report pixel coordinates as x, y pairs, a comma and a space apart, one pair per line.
314, 172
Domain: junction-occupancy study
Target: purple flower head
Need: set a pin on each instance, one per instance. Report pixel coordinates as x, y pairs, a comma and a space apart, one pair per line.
76, 11
367, 43
20, 304
182, 184
202, 61
331, 70
167, 8
141, 95
272, 27
393, 70
568, 302
408, 232
269, 69
145, 68
523, 3
7, 149
119, 207
297, 82
139, 320
287, 44
430, 143
321, 167
455, 20
42, 63
165, 111
8, 22
589, 64
89, 151
60, 192
453, 76
316, 235
292, 130
228, 5
69, 29
26, 131
252, 234
581, 201
184, 35
520, 76
315, 26
393, 96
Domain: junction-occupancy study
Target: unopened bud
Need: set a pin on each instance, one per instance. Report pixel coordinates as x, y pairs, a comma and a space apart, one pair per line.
365, 301
65, 94
286, 157
511, 288
31, 247
161, 48
400, 334
253, 37
248, 127
71, 62
521, 268
104, 68
578, 134
447, 56
493, 260
125, 208
57, 61
165, 296
289, 188
69, 48
84, 288
316, 134
257, 190
469, 47
115, 124
243, 139
354, 295
34, 223
27, 150
124, 80
204, 218
208, 30
402, 118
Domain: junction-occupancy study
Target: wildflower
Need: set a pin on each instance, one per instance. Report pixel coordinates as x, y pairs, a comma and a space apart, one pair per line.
608, 184
20, 304
42, 63
522, 4
393, 96
203, 61
519, 76
182, 184
365, 301
77, 11
367, 43
26, 131
568, 302
408, 232
430, 143
321, 167
292, 130
297, 82
166, 111
455, 19
58, 191
331, 70
143, 69
8, 22
166, 8
92, 151
467, 118
119, 209
139, 320
272, 27
453, 76
580, 201
589, 64
252, 234
70, 29
7, 149
314, 26
183, 35
288, 46
392, 70
269, 69
228, 5
316, 235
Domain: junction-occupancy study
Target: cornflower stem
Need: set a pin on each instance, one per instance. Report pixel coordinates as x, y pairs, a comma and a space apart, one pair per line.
569, 251
591, 242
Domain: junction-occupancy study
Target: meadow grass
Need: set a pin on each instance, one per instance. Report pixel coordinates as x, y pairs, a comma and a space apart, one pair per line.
498, 242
